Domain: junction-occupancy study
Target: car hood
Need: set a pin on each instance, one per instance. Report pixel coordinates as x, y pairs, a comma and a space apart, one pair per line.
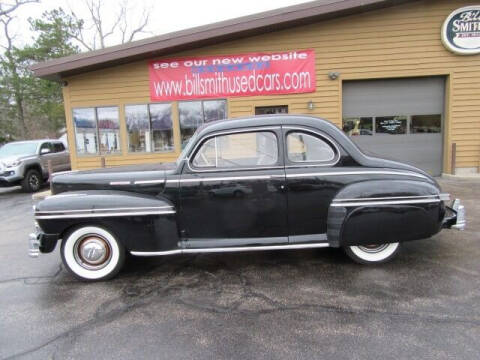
148, 178
10, 159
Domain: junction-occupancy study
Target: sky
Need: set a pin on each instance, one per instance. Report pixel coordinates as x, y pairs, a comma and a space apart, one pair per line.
165, 16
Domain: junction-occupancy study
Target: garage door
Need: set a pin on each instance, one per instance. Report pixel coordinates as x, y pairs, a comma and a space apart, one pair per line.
400, 119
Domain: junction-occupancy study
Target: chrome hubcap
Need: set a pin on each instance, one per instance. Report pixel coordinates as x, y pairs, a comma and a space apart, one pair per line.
372, 249
92, 252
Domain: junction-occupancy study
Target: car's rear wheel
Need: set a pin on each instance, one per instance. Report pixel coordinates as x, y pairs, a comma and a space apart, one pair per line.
92, 253
373, 254
32, 181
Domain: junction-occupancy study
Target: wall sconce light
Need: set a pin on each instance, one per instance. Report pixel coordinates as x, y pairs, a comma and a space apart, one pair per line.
310, 105
333, 75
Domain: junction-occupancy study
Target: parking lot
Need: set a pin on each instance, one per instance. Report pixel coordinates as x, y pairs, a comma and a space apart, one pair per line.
307, 304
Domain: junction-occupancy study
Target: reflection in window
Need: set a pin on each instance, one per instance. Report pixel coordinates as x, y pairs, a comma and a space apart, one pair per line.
393, 125
193, 114
92, 124
238, 150
161, 125
358, 126
108, 129
85, 130
426, 124
149, 127
304, 147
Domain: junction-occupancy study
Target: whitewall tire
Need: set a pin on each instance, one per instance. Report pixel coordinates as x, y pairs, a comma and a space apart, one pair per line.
373, 254
92, 253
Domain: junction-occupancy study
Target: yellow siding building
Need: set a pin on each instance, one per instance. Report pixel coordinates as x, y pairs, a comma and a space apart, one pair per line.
363, 50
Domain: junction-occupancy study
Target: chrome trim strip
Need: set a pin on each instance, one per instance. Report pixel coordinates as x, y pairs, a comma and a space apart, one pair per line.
362, 172
94, 210
444, 196
395, 202
387, 198
253, 177
141, 182
229, 249
120, 182
95, 215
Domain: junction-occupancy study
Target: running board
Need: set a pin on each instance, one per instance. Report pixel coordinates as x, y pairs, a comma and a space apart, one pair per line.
229, 249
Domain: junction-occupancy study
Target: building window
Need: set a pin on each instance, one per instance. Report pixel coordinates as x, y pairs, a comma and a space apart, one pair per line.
393, 125
149, 127
426, 124
193, 114
94, 126
244, 150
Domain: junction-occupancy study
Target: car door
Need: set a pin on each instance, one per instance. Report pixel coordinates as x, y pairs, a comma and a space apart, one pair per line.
308, 155
45, 157
232, 190
62, 157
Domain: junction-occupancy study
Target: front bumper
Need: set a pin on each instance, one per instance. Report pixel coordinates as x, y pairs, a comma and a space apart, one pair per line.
455, 216
39, 242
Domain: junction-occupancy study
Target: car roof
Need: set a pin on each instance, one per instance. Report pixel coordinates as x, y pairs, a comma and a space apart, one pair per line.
32, 141
269, 120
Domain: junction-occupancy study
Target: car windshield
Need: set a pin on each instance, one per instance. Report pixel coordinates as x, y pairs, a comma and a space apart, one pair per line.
14, 149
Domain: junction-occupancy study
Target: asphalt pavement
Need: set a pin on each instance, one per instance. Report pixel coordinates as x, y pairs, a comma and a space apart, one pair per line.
298, 304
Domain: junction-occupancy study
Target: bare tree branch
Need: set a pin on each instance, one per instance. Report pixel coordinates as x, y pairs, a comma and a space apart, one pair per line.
141, 27
6, 8
119, 26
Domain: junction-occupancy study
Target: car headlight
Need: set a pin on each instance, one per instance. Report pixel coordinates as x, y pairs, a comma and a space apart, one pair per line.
11, 164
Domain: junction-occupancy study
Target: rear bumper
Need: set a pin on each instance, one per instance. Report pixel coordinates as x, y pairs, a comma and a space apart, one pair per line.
455, 216
39, 242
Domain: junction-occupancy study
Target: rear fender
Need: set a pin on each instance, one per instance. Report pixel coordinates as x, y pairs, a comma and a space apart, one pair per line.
140, 222
384, 211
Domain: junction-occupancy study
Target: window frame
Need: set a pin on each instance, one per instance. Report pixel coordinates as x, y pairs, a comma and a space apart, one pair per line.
97, 132
279, 164
149, 127
325, 138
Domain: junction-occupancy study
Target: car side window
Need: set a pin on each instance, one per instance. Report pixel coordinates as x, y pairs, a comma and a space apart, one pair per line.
240, 150
303, 147
59, 147
46, 145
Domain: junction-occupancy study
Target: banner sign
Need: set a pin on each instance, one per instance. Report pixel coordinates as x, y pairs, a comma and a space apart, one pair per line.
288, 72
461, 31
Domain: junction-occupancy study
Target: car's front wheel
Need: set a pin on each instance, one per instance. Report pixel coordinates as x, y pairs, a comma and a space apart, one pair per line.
373, 254
92, 253
32, 181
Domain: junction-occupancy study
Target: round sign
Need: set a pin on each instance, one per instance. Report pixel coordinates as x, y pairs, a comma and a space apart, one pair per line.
461, 31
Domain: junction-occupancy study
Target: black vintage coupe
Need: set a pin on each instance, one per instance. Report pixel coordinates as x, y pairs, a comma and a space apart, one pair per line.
261, 183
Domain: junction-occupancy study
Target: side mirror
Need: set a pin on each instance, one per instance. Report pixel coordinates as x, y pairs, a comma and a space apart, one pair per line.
44, 151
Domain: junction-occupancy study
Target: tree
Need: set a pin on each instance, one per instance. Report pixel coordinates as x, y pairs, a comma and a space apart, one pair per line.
7, 8
94, 33
34, 104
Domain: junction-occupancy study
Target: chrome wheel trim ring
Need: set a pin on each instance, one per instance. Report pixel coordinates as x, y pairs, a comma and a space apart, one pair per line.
373, 249
92, 252
375, 253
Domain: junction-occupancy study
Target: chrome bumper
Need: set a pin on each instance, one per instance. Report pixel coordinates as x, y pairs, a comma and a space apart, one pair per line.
459, 209
455, 216
33, 245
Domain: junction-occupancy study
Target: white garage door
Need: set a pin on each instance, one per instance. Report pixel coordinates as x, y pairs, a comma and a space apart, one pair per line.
400, 119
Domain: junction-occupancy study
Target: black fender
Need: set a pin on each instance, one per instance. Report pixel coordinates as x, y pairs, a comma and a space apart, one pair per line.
384, 211
141, 222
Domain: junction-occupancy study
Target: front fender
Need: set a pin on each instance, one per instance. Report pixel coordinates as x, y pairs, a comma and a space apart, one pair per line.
384, 211
140, 222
